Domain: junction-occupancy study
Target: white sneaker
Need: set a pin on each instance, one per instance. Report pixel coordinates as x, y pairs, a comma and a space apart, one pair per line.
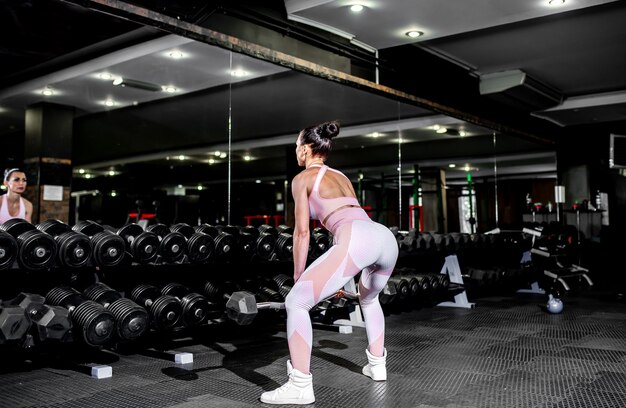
298, 390
376, 368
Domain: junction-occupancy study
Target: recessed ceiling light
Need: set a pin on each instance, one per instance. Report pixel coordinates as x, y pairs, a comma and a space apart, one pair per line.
118, 81
88, 176
112, 173
200, 187
356, 8
238, 73
223, 156
435, 127
105, 76
452, 165
211, 161
113, 193
217, 153
375, 134
556, 2
181, 157
247, 157
462, 133
81, 171
414, 34
169, 89
176, 54
442, 130
47, 91
109, 102
258, 181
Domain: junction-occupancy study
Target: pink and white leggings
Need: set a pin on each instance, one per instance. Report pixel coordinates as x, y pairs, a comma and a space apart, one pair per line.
360, 245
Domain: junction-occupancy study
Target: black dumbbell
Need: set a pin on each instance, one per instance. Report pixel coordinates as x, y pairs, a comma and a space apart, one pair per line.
14, 324
403, 290
73, 248
141, 245
284, 228
36, 249
172, 245
225, 243
196, 308
320, 242
165, 311
132, 320
97, 325
254, 243
48, 323
284, 246
200, 246
268, 229
240, 306
108, 248
8, 250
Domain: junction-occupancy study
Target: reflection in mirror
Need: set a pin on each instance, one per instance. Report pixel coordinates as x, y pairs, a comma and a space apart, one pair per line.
215, 142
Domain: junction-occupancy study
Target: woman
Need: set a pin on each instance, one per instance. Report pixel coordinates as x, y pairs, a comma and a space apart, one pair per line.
360, 245
13, 205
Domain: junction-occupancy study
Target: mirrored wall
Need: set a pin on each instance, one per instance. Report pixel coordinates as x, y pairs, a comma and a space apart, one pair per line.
199, 134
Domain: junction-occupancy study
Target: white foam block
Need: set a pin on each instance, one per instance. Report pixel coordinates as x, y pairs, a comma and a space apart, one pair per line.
102, 371
183, 358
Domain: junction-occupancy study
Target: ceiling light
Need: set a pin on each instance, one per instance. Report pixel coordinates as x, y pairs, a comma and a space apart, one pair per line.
452, 165
169, 89
374, 134
442, 130
113, 193
258, 181
211, 161
223, 156
556, 2
200, 187
180, 186
247, 157
356, 8
88, 176
435, 127
217, 153
176, 54
414, 34
238, 73
81, 171
133, 83
47, 91
181, 157
105, 75
462, 133
109, 102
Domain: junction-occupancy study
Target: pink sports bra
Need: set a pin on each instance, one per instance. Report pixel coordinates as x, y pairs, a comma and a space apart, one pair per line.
319, 207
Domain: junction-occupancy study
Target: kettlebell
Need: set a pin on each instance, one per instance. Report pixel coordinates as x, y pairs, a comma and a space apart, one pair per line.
554, 305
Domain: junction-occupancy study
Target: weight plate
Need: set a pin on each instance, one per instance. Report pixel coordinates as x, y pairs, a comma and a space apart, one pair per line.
172, 247
200, 247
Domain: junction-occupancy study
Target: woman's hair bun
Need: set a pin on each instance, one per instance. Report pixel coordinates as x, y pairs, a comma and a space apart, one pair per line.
328, 130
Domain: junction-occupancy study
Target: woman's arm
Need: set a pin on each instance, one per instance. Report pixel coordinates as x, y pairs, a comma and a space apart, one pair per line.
28, 212
301, 230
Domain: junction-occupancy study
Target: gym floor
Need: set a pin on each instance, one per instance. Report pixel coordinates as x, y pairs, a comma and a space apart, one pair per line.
506, 352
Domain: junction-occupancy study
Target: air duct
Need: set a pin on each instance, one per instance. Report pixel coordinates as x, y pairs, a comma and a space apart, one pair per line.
517, 88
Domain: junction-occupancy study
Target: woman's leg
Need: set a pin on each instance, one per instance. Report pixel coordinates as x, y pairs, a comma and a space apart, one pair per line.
322, 278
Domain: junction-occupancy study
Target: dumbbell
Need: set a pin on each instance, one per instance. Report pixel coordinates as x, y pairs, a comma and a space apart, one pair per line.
132, 320
172, 245
36, 250
253, 243
199, 247
48, 323
403, 290
108, 248
97, 324
8, 250
284, 246
284, 228
14, 324
225, 243
268, 229
164, 310
73, 248
141, 245
320, 243
420, 285
241, 306
195, 307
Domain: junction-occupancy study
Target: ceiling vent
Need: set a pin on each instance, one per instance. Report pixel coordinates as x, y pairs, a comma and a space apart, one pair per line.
517, 88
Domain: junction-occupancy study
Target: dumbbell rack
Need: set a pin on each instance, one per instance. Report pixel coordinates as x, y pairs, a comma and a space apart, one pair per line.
453, 269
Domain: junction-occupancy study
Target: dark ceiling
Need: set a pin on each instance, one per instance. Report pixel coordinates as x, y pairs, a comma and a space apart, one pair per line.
579, 52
